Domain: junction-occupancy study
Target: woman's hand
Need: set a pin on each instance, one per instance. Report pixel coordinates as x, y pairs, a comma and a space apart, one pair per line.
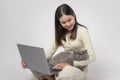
24, 65
60, 66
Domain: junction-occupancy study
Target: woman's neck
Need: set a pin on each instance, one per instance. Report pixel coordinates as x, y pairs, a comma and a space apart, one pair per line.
68, 34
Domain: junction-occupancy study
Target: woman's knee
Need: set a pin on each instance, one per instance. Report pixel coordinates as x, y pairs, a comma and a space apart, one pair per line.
71, 73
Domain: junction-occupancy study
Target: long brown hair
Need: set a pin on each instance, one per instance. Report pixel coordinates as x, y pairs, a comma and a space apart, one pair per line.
60, 32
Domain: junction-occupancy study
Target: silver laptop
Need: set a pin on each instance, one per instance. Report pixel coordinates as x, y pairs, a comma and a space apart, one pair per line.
35, 59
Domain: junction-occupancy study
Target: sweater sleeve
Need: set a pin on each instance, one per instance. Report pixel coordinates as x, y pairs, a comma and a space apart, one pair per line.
87, 46
51, 50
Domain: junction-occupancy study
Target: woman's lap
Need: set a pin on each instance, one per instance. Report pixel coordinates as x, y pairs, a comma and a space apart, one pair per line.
68, 73
71, 73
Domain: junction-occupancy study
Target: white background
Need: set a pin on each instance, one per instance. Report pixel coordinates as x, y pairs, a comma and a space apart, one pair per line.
32, 22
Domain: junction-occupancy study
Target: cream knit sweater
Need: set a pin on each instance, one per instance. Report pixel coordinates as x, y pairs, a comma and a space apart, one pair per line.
82, 42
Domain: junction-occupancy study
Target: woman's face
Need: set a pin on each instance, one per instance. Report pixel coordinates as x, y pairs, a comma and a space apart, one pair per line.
67, 22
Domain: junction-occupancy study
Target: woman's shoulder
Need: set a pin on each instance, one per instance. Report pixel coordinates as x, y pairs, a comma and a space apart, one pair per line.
81, 28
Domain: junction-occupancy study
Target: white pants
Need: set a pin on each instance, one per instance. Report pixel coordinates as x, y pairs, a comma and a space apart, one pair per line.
71, 73
68, 73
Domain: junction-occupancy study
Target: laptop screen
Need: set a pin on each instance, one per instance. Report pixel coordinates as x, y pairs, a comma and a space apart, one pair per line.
35, 58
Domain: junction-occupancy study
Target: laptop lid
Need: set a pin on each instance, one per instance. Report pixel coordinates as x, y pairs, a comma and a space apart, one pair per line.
35, 58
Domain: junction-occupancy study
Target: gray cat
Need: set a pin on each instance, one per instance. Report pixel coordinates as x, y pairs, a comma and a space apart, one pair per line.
69, 57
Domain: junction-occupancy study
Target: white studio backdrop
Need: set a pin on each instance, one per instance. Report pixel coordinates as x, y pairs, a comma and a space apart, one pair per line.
31, 22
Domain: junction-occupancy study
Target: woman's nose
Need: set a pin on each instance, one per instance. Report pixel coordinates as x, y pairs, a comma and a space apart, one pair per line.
67, 24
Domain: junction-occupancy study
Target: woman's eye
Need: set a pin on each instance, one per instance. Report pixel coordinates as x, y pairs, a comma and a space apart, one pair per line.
63, 22
69, 20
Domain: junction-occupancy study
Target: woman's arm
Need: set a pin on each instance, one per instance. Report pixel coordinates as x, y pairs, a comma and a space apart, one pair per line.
87, 46
51, 50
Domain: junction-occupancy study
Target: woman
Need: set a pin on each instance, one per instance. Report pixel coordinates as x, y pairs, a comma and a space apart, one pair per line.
71, 36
